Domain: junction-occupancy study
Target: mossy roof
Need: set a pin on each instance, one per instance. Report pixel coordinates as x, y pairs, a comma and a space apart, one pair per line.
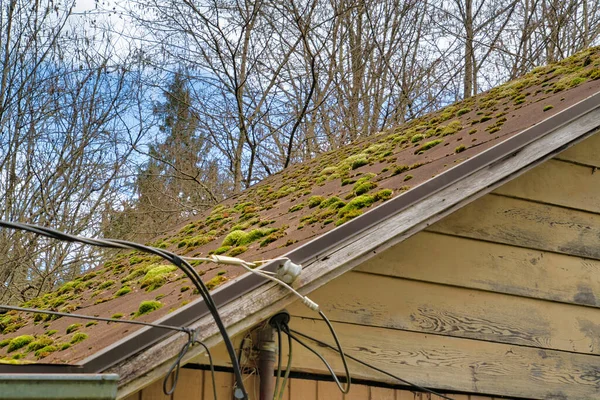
299, 204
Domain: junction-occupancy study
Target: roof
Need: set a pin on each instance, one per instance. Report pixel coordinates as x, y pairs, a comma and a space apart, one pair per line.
288, 211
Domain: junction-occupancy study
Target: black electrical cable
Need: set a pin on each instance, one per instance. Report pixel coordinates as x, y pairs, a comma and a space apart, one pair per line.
370, 366
171, 257
279, 359
81, 316
175, 368
316, 353
288, 368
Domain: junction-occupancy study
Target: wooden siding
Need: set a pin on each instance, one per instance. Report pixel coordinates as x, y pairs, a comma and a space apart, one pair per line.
197, 385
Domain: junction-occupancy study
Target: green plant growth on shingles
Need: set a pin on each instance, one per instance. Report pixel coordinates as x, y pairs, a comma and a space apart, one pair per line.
157, 277
216, 281
123, 291
45, 351
19, 342
72, 328
339, 166
78, 337
428, 146
40, 342
147, 307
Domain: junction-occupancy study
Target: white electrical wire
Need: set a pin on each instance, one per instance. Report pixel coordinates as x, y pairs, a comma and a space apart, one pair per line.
248, 266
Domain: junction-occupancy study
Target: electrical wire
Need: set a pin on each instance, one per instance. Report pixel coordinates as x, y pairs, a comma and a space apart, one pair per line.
175, 367
288, 368
191, 273
248, 266
279, 358
81, 316
368, 365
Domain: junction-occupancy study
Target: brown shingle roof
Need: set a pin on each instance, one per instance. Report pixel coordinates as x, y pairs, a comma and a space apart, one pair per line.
303, 202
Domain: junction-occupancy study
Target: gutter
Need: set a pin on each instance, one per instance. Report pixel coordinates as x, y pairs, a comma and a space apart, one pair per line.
312, 250
45, 386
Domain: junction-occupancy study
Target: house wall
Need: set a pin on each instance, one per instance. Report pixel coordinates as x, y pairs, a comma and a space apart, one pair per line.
197, 385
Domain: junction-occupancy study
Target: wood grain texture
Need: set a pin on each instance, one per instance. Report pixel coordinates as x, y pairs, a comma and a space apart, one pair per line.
526, 224
560, 183
154, 392
189, 385
500, 268
224, 385
378, 393
448, 363
587, 152
381, 301
329, 391
150, 364
302, 389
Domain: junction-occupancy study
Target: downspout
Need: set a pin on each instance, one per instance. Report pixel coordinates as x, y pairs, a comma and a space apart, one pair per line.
266, 362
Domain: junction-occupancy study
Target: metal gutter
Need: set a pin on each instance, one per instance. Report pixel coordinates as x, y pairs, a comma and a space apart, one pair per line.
312, 250
58, 386
40, 369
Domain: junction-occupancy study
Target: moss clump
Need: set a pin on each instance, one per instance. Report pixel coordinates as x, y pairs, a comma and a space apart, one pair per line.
315, 201
67, 287
362, 187
333, 202
45, 351
78, 337
408, 178
73, 328
383, 194
236, 251
416, 138
156, 277
400, 169
65, 346
460, 149
51, 332
136, 273
184, 289
222, 249
462, 111
548, 107
147, 307
428, 145
451, 128
216, 281
472, 131
485, 118
106, 284
117, 316
359, 163
19, 342
123, 291
39, 343
234, 237
348, 216
297, 207
4, 343
91, 323
356, 204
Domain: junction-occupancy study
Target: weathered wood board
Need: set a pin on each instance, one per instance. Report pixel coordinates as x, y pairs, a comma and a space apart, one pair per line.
526, 224
500, 268
560, 183
455, 364
586, 152
381, 301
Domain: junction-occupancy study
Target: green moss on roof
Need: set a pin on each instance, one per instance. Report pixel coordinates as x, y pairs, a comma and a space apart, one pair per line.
310, 196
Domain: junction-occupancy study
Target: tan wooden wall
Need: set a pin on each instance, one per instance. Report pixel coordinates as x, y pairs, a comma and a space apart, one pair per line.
197, 385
